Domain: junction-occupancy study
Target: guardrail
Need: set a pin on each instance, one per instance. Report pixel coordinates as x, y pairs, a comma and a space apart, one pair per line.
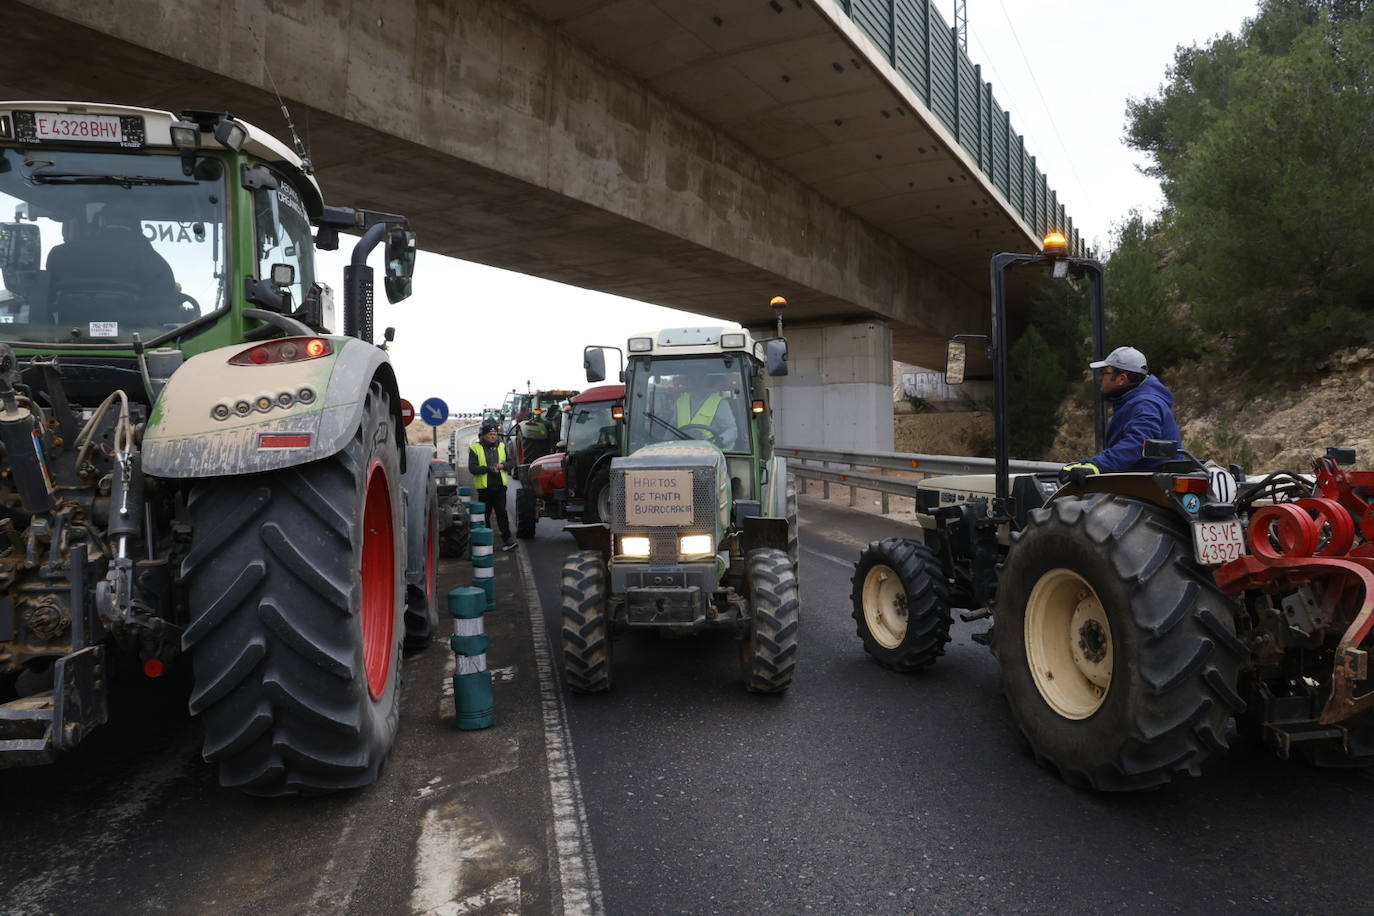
832, 466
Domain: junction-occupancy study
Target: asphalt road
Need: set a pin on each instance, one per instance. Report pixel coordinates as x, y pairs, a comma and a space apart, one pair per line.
859, 791
865, 791
135, 821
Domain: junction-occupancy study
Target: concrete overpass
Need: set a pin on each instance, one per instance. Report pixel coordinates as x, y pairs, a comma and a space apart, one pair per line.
845, 155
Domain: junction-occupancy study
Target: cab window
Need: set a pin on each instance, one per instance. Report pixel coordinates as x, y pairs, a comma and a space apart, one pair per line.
283, 235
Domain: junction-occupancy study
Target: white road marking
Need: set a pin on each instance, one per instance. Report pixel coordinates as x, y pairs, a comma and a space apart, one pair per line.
830, 556
573, 870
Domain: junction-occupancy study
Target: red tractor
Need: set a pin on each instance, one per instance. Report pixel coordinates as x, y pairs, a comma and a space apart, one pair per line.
571, 484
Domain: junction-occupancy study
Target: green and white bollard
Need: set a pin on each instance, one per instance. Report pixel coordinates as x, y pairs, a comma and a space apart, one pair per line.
484, 577
465, 491
482, 543
477, 515
474, 703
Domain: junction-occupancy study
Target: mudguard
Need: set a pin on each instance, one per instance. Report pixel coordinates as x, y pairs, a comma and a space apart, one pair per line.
775, 488
185, 438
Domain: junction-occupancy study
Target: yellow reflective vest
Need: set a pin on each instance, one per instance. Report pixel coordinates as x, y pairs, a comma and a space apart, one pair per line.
479, 481
704, 415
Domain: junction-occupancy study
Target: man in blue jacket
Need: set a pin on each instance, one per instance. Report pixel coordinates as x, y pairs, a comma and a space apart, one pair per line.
1142, 408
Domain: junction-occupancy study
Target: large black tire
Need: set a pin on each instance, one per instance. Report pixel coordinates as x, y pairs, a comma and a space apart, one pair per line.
296, 616
1135, 658
586, 634
597, 506
453, 539
526, 520
901, 604
770, 657
422, 549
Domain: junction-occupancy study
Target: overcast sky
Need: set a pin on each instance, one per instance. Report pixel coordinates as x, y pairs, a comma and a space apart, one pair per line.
1063, 68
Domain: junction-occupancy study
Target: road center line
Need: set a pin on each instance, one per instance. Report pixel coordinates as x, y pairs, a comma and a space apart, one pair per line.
848, 564
578, 884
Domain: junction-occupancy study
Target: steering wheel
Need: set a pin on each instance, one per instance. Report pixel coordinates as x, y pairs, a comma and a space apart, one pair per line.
710, 433
188, 299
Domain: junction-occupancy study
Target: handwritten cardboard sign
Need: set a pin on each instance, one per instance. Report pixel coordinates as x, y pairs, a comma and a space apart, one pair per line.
658, 499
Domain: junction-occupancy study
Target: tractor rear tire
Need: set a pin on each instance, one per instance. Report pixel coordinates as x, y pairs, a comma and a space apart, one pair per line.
587, 661
901, 604
296, 580
1116, 649
597, 507
770, 657
525, 518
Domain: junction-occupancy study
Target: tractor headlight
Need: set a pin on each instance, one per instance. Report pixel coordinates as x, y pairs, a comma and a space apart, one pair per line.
728, 341
634, 546
692, 545
641, 344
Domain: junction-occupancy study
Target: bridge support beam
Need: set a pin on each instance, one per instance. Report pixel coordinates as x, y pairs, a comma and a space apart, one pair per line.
838, 390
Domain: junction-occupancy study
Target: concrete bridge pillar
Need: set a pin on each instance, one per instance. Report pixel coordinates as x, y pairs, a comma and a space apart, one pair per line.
838, 390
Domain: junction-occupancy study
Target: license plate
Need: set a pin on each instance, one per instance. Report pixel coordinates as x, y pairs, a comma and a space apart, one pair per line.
1215, 543
91, 128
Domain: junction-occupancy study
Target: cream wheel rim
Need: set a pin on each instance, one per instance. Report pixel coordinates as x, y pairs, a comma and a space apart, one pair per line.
885, 608
1069, 644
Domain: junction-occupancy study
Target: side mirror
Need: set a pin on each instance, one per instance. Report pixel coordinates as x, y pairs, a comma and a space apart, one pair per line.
956, 357
1159, 449
594, 361
400, 264
775, 353
21, 247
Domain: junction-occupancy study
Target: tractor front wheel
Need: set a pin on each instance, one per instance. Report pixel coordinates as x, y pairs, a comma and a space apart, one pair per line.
296, 581
770, 656
586, 633
1116, 650
901, 604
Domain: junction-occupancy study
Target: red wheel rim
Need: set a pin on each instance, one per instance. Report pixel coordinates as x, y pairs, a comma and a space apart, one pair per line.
379, 581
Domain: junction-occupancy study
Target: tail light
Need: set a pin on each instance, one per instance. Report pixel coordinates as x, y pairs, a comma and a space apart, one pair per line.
285, 350
1190, 485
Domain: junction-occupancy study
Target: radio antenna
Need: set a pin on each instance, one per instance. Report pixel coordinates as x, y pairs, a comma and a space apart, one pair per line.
306, 165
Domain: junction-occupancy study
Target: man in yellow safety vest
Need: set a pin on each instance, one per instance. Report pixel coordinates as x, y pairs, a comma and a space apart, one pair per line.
488, 464
712, 412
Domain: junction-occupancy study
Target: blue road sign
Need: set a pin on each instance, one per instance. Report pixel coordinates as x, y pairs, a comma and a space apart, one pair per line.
434, 411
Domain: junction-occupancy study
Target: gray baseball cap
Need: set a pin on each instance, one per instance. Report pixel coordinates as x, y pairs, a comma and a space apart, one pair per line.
1128, 358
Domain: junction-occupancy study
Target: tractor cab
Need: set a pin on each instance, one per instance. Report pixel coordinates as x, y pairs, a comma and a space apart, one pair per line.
703, 385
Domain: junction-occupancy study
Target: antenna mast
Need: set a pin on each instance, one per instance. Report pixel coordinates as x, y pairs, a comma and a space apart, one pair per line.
961, 23
306, 165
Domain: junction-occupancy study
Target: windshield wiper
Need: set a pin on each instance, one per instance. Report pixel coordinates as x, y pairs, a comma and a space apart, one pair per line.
126, 181
671, 428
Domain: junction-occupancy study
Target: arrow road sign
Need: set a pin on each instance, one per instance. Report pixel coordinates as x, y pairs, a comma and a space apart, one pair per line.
434, 411
407, 412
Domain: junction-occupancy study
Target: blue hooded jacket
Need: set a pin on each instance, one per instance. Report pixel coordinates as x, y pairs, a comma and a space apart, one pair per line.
1143, 412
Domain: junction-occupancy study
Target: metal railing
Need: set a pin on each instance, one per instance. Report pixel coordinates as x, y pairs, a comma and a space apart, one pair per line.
831, 466
926, 52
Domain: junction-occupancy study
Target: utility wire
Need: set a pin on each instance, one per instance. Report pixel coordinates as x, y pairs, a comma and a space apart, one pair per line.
1036, 83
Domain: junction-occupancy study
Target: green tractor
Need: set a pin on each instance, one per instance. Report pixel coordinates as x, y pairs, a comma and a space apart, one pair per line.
195, 463
702, 526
